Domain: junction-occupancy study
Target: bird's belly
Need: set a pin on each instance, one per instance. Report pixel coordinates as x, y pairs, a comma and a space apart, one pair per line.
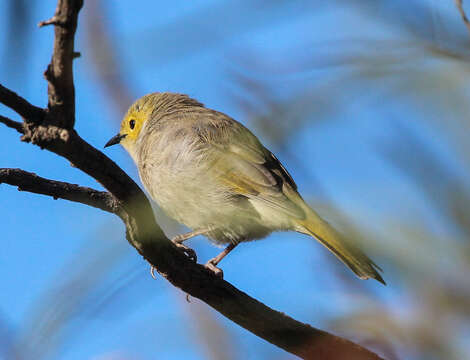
195, 200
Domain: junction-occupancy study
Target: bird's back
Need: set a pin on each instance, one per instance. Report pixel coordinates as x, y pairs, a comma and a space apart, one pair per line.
181, 169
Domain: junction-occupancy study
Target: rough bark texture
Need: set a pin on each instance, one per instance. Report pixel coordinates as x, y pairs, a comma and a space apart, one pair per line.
52, 129
26, 181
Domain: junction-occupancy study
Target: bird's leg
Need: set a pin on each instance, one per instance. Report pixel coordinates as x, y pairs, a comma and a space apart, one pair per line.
178, 241
212, 263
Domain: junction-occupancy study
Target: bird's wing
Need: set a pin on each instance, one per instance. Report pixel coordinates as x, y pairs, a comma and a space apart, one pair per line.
246, 167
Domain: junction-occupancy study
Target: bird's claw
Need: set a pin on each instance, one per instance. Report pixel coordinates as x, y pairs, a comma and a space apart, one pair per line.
152, 272
214, 269
190, 253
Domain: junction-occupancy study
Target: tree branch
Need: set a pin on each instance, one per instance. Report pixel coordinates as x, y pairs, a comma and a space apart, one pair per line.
26, 181
12, 124
15, 102
459, 4
56, 134
146, 236
59, 73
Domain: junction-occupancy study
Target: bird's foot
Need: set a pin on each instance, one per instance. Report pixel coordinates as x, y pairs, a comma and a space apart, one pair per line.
190, 253
152, 272
214, 269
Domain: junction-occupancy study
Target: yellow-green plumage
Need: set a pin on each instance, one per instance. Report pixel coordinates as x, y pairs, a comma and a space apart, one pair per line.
213, 175
354, 258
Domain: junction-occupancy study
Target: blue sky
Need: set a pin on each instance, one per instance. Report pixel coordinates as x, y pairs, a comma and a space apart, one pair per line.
54, 252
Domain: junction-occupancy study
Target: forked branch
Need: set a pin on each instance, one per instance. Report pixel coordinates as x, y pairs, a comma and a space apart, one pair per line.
52, 129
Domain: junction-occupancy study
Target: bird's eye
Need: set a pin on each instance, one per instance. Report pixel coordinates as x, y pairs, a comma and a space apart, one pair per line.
132, 124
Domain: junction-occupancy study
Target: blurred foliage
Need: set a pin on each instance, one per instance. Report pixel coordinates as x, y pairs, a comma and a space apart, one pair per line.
406, 62
82, 291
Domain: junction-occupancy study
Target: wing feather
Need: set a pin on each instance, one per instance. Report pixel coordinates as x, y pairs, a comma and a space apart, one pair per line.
246, 167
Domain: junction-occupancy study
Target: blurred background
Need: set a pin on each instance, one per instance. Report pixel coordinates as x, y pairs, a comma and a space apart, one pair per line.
364, 101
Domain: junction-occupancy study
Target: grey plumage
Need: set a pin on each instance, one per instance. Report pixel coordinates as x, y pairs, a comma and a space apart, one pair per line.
212, 174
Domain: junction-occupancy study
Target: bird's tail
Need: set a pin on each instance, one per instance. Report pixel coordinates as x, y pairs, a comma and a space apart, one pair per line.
352, 256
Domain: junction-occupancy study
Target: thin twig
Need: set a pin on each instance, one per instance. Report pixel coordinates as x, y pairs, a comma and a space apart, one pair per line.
52, 21
27, 181
59, 73
56, 134
147, 237
15, 102
459, 4
12, 124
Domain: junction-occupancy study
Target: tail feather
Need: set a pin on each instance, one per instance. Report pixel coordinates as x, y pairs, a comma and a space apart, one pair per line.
349, 254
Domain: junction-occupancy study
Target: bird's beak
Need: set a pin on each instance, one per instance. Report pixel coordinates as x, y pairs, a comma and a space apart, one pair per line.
115, 140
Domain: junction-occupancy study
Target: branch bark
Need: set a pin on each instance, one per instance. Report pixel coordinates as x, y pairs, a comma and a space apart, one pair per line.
59, 74
26, 181
12, 124
21, 106
52, 129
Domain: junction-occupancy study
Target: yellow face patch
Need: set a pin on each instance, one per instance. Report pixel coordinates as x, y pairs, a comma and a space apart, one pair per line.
131, 126
135, 119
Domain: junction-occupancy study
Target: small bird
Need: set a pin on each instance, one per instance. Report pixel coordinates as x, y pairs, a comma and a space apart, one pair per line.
212, 174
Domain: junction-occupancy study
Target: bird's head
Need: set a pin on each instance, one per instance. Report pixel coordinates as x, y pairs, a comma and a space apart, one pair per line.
152, 107
133, 122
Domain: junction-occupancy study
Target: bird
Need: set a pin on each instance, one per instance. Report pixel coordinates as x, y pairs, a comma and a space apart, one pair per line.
212, 174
